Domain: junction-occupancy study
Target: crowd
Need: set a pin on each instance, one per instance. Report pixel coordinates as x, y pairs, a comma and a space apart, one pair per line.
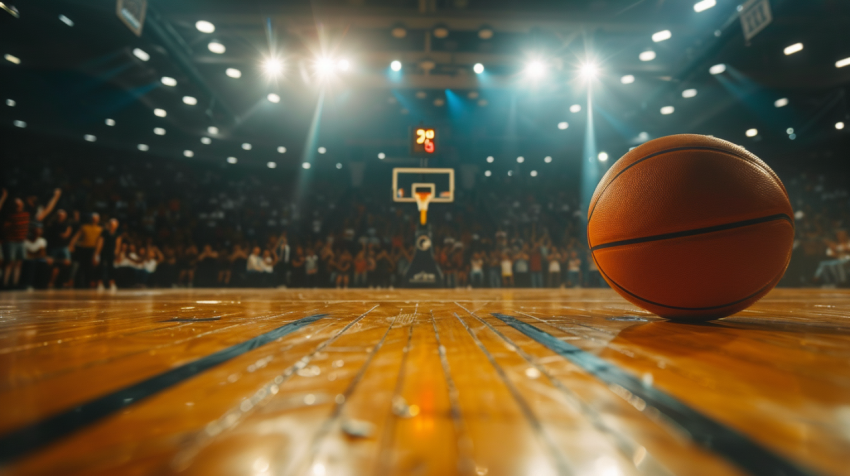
181, 225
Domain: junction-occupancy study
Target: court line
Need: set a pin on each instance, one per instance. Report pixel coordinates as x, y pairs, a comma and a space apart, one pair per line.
732, 445
37, 435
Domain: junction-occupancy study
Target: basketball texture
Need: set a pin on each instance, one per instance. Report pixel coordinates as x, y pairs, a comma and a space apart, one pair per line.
691, 227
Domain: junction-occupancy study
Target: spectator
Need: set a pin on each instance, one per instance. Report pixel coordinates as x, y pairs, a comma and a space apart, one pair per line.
360, 269
554, 268
58, 234
311, 269
521, 268
343, 269
37, 262
535, 259
476, 272
494, 268
574, 270
15, 230
507, 270
107, 249
84, 246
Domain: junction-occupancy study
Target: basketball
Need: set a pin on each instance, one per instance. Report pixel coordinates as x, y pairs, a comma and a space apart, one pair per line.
691, 227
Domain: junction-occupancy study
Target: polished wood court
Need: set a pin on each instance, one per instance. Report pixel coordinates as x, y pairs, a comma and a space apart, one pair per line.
485, 382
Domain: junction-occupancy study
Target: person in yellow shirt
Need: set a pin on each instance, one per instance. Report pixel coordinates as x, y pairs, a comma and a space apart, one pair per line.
84, 245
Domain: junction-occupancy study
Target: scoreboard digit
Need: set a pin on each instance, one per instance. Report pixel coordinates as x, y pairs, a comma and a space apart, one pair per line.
423, 140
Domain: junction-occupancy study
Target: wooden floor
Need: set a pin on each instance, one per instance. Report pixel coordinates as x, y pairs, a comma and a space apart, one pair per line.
513, 382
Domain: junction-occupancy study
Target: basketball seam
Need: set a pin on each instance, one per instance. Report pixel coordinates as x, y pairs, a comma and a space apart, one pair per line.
696, 231
676, 149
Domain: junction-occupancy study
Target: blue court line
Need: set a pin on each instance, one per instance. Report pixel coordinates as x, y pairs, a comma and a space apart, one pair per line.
732, 445
41, 433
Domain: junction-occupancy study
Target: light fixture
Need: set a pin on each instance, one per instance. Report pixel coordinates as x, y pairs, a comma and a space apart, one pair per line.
490, 159
789, 131
338, 165
216, 47
534, 173
547, 159
666, 110
439, 102
159, 112
382, 155
647, 55
206, 140
204, 26
232, 160
441, 32
790, 50
305, 165
689, 93
535, 69
838, 64
520, 159
478, 68
563, 125
233, 73
661, 36
272, 67
781, 102
395, 65
485, 33
169, 81
343, 65
10, 102
322, 150
189, 100
246, 146
272, 97
141, 54
89, 137
603, 156
704, 5
839, 125
281, 150
717, 69
143, 147
627, 79
271, 165
752, 132
110, 122
20, 124
588, 70
792, 136
159, 131
188, 153
66, 20
487, 173
212, 130
510, 173
575, 108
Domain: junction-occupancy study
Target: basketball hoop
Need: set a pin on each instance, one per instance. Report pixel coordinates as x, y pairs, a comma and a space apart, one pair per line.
422, 200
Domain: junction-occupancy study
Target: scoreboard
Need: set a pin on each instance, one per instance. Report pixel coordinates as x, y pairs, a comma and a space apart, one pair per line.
423, 141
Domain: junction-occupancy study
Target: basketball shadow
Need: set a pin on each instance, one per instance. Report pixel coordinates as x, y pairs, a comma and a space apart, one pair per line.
677, 337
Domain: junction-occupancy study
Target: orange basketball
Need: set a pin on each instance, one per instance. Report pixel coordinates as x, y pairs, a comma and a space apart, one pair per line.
691, 227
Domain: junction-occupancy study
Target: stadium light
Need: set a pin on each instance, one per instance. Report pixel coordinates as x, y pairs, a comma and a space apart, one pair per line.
717, 69
478, 68
190, 100
206, 140
272, 97
89, 137
143, 147
216, 47
490, 159
520, 159
781, 102
838, 64
110, 122
305, 165
647, 55
233, 73
20, 124
603, 156
159, 131
246, 146
338, 165
704, 5
533, 173
839, 125
232, 160
272, 67
204, 26
667, 110
535, 69
547, 159
212, 130
382, 155
487, 173
281, 150
10, 102
563, 125
395, 65
689, 93
588, 70
271, 165
159, 112
789, 131
188, 153
627, 79
324, 67
575, 108
138, 53
169, 81
752, 132
66, 20
796, 47
343, 65
322, 150
661, 36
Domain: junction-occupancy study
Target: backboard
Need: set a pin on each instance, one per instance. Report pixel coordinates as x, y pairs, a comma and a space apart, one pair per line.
423, 186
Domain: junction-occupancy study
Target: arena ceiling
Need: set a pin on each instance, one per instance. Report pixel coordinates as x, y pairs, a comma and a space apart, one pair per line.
79, 70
